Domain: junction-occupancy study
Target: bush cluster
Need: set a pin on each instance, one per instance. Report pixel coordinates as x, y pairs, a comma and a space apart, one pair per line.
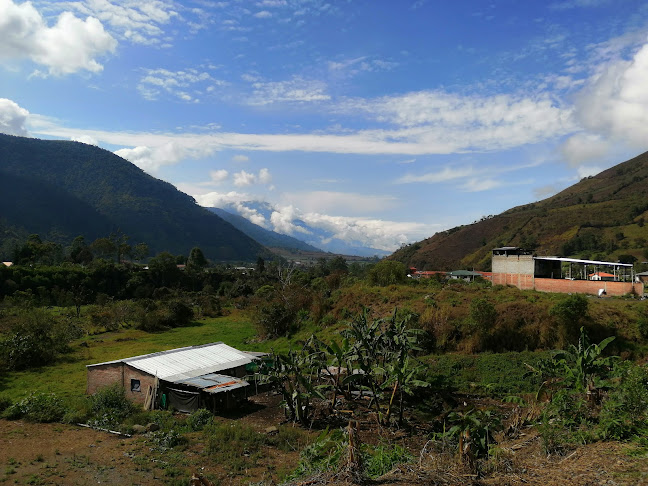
37, 407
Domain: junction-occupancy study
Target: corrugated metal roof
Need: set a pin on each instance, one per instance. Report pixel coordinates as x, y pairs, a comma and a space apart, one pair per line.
190, 362
214, 383
464, 273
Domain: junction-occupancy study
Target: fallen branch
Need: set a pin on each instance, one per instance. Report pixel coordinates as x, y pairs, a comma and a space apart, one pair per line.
121, 434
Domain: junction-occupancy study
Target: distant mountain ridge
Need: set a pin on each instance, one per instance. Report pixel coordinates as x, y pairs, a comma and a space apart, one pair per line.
601, 216
323, 239
81, 189
270, 239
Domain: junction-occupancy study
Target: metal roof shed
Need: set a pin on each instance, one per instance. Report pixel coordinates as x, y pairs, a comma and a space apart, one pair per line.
208, 369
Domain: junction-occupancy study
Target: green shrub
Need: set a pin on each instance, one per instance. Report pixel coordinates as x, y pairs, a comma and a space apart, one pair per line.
275, 319
164, 315
36, 340
555, 440
163, 418
168, 439
234, 444
625, 412
199, 419
381, 459
289, 439
387, 272
109, 406
5, 402
322, 455
79, 410
37, 407
568, 408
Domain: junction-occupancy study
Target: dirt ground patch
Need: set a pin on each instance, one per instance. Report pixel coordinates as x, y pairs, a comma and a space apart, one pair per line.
59, 454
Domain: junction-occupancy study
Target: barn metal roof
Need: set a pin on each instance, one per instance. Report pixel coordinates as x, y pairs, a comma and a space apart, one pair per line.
214, 383
190, 362
588, 262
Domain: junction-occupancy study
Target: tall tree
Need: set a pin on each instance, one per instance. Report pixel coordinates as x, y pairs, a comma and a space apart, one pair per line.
196, 262
141, 252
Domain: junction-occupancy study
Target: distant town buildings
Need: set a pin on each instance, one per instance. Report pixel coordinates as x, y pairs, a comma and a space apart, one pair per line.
521, 268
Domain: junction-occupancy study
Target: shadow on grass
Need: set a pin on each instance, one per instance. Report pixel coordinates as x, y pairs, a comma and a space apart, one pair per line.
246, 408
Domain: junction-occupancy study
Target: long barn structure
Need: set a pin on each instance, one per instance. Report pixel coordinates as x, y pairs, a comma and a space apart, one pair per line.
213, 376
516, 266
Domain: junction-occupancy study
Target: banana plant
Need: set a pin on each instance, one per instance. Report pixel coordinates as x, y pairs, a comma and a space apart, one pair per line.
296, 376
367, 353
474, 430
339, 353
580, 367
583, 365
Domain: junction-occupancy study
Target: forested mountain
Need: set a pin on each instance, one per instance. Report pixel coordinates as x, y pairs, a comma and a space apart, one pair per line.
268, 238
601, 217
62, 189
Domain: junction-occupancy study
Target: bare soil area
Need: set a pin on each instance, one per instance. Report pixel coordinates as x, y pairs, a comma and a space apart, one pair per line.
56, 454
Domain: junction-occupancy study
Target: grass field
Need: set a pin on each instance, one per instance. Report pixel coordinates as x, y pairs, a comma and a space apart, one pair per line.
67, 378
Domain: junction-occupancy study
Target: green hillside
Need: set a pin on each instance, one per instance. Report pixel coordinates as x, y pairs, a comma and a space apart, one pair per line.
600, 217
87, 191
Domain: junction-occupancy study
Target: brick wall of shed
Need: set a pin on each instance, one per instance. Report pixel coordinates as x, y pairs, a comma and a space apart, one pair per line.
145, 379
586, 286
523, 282
103, 375
118, 373
516, 270
522, 264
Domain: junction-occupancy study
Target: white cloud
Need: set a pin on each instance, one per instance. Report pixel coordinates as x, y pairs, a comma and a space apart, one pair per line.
263, 14
138, 21
219, 199
218, 176
244, 178
12, 118
176, 83
150, 159
374, 233
282, 220
415, 141
352, 67
295, 90
614, 104
584, 147
240, 158
456, 123
69, 46
569, 4
264, 176
85, 139
251, 214
547, 191
479, 185
588, 170
340, 202
443, 175
272, 3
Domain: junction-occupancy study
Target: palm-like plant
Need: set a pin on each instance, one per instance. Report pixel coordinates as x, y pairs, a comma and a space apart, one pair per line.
296, 375
582, 364
580, 367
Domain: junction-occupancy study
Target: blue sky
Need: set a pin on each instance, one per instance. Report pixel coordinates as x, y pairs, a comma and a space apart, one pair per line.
379, 121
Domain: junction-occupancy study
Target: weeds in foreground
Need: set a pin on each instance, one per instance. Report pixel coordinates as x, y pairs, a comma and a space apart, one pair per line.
327, 453
234, 444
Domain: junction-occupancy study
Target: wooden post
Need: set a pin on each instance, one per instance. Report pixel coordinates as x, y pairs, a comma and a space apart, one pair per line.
355, 458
